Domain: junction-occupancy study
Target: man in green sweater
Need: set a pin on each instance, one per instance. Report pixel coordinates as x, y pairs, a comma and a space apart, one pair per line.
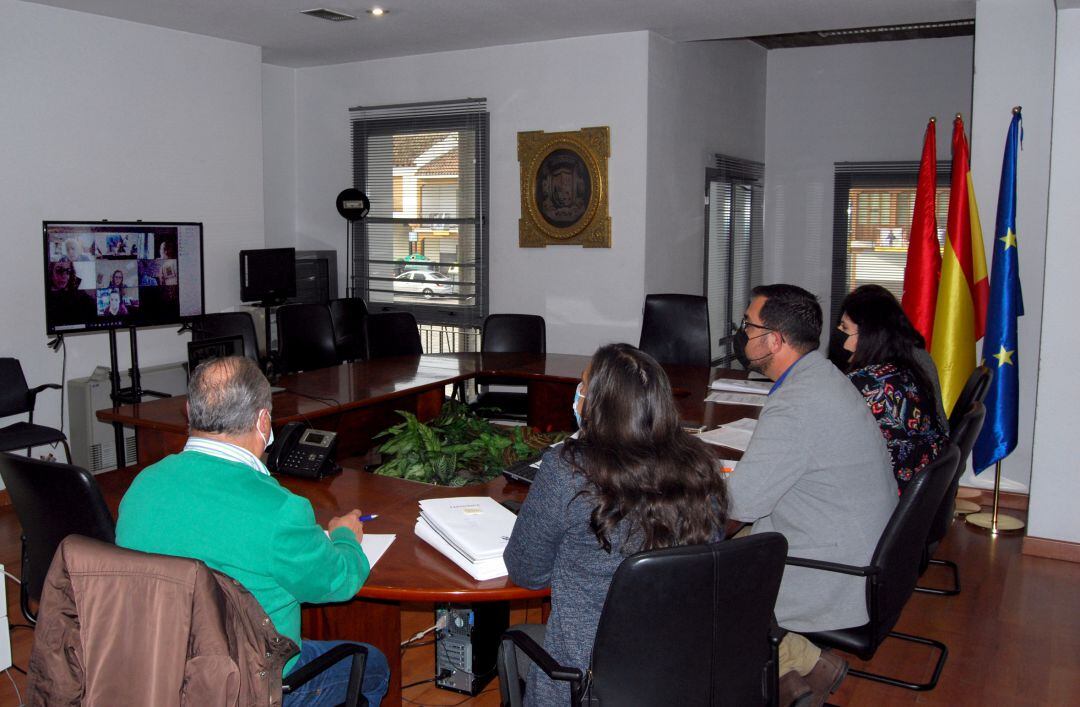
216, 502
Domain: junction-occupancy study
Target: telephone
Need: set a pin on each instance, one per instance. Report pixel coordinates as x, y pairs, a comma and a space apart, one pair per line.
300, 450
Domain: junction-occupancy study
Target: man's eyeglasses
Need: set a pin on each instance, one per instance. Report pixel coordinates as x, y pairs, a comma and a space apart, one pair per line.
747, 323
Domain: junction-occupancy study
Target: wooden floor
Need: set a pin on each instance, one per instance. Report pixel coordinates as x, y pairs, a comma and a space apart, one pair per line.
1013, 632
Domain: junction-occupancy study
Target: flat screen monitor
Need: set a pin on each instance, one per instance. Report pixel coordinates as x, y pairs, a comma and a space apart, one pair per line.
112, 274
267, 275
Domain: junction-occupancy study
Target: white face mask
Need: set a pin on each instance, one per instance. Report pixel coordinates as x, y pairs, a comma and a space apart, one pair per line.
266, 442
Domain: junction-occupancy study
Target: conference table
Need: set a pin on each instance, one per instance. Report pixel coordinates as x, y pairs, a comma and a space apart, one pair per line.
358, 400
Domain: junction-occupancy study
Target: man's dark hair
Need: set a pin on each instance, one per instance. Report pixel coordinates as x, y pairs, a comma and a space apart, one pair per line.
793, 312
225, 395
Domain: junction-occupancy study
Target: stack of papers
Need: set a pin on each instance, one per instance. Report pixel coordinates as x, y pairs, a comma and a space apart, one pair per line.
733, 385
471, 531
735, 435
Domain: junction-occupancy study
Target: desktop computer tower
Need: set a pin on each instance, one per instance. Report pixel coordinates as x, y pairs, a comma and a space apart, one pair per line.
467, 644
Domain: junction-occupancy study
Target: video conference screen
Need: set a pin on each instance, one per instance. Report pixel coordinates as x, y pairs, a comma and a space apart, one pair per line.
101, 275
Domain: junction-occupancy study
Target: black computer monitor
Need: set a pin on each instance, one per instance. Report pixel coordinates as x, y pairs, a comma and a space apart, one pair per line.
267, 275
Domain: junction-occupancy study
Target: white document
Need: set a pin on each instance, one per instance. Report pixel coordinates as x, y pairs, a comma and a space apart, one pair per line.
733, 385
375, 546
725, 398
477, 526
735, 435
485, 569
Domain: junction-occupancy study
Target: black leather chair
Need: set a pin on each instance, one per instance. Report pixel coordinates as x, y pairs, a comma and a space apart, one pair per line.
974, 390
350, 336
52, 501
508, 333
675, 329
16, 398
212, 326
680, 626
964, 436
305, 338
893, 572
393, 334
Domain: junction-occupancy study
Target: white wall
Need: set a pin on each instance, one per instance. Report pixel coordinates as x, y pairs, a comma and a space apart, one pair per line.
1003, 80
847, 103
587, 296
279, 155
109, 119
704, 98
1055, 477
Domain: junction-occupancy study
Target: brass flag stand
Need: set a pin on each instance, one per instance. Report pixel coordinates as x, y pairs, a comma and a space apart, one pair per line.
995, 521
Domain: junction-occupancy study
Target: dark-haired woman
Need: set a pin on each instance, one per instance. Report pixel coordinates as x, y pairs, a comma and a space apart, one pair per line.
633, 480
884, 366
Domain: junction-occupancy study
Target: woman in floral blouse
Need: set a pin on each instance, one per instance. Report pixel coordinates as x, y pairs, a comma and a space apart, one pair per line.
883, 367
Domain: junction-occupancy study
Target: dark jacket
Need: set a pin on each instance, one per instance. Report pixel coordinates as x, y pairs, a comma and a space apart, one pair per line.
118, 627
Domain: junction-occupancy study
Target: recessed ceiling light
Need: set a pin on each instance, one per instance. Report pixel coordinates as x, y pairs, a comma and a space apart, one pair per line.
377, 12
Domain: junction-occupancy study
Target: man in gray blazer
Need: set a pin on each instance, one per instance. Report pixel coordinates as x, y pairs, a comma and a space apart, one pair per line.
818, 471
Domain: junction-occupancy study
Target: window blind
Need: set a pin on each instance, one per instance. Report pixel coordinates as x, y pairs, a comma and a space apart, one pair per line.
423, 248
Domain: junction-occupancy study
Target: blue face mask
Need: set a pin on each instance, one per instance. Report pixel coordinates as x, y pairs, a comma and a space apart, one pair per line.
578, 397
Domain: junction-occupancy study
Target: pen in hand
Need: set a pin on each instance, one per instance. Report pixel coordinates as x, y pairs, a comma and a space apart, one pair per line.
368, 516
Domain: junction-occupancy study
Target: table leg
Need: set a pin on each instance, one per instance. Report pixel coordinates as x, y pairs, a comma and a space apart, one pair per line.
374, 622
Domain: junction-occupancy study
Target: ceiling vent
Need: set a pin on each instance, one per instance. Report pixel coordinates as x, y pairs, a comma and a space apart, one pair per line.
888, 33
329, 15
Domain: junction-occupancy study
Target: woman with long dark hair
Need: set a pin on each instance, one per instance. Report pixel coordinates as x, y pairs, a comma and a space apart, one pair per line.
633, 480
884, 366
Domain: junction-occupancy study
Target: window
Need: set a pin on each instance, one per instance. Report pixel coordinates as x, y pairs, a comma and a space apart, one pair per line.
873, 206
733, 246
423, 248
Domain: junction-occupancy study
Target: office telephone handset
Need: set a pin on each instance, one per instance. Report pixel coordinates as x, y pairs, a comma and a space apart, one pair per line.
300, 450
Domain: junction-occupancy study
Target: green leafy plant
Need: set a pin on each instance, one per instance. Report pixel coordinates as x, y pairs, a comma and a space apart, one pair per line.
456, 448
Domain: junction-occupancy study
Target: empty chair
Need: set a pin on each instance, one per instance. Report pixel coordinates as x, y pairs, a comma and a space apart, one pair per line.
212, 326
350, 337
680, 625
393, 334
52, 501
305, 338
892, 572
675, 329
967, 431
975, 389
508, 333
16, 398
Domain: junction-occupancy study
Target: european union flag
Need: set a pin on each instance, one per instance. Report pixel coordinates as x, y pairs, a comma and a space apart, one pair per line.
999, 432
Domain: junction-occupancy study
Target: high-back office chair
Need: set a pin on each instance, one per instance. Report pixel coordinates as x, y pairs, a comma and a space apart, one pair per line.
508, 333
305, 338
212, 326
975, 390
675, 329
393, 334
893, 572
16, 398
52, 501
216, 645
681, 625
964, 436
350, 336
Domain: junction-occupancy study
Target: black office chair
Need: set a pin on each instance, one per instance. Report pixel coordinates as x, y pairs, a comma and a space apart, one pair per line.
974, 390
675, 329
683, 625
893, 572
393, 334
17, 398
350, 337
508, 333
967, 431
52, 501
305, 338
213, 326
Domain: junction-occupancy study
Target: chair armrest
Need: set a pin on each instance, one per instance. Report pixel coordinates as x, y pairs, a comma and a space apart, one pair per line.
831, 566
309, 670
32, 393
542, 658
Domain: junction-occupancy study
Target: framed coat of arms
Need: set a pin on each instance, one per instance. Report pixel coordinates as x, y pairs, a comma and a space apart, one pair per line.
564, 188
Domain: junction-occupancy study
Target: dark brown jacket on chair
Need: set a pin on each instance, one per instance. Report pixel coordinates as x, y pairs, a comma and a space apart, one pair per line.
118, 627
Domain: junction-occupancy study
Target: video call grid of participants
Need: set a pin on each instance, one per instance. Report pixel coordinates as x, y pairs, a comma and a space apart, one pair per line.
108, 275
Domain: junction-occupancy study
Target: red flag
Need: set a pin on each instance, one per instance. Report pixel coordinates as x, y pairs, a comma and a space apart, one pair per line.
924, 252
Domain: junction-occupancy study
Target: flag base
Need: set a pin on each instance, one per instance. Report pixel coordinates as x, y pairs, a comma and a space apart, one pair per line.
963, 507
968, 494
1004, 522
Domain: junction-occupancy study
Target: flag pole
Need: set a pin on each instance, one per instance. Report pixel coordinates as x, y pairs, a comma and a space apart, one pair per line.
995, 521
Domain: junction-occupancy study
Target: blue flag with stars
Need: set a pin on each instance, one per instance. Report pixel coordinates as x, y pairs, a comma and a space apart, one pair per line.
999, 432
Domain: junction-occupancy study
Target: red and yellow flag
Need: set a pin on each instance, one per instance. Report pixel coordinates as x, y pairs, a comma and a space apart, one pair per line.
923, 266
964, 290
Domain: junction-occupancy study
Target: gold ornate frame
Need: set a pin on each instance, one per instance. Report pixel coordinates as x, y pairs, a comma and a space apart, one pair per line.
592, 229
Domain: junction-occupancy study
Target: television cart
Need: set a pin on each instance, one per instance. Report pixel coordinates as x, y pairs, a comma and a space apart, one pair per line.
132, 395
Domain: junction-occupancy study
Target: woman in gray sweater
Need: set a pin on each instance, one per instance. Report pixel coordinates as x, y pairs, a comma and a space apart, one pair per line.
633, 480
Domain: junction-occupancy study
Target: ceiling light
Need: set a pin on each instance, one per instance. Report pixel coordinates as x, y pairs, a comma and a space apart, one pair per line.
377, 12
327, 14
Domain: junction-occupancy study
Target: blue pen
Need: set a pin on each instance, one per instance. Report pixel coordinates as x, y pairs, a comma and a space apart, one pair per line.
370, 516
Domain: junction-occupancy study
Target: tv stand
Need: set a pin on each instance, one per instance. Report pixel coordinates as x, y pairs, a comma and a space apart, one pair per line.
132, 395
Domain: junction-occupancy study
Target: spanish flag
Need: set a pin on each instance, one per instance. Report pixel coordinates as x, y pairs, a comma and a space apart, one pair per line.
964, 290
923, 266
